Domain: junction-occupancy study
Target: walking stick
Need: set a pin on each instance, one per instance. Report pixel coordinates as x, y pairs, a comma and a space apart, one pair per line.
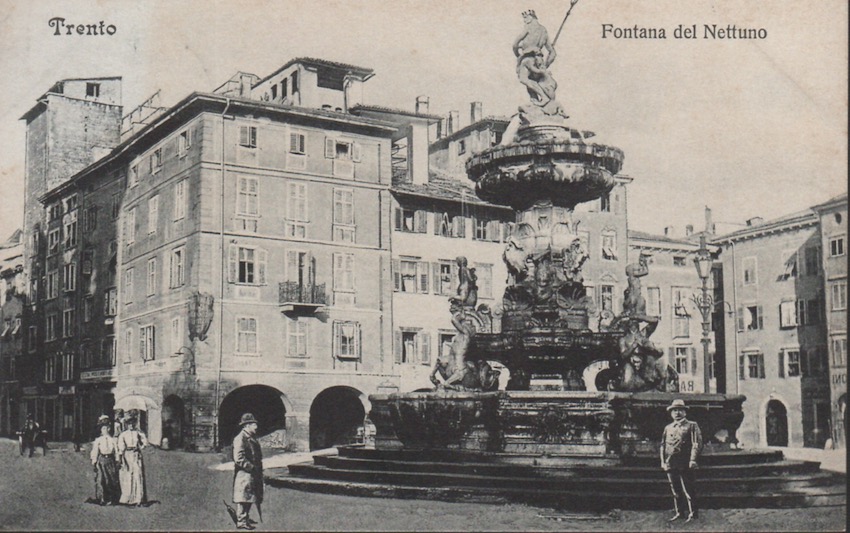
260, 511
572, 4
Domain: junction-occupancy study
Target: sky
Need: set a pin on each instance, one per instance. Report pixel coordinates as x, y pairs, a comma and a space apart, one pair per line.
746, 127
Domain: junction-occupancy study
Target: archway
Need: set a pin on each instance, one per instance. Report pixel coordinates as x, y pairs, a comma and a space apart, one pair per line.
264, 402
336, 416
776, 423
173, 412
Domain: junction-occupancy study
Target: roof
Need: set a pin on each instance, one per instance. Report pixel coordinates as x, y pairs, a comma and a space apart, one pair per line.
440, 186
463, 132
786, 222
14, 239
363, 72
835, 201
644, 236
390, 110
39, 102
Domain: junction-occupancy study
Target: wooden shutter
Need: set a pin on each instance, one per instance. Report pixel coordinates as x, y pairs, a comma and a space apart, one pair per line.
396, 275
422, 270
243, 137
293, 142
233, 261
424, 348
421, 221
262, 261
761, 365
740, 319
671, 357
693, 368
330, 148
397, 346
760, 312
781, 361
398, 219
356, 152
436, 280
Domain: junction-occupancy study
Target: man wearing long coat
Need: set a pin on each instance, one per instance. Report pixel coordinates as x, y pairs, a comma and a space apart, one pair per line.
247, 471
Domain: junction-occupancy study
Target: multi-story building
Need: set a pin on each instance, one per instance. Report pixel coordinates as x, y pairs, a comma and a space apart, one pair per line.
833, 230
776, 339
11, 331
669, 289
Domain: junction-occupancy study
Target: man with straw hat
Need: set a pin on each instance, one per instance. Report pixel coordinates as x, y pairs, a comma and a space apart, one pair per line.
681, 445
247, 472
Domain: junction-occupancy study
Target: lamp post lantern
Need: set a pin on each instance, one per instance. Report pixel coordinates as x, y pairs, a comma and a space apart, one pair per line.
705, 303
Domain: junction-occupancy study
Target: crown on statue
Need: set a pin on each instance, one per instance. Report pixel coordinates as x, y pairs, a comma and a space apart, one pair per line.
529, 13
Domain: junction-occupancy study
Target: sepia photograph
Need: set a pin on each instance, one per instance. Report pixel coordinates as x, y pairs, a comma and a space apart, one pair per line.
555, 265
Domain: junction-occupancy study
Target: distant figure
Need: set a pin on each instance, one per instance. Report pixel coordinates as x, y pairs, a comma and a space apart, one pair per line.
131, 472
30, 435
103, 452
247, 472
681, 445
118, 424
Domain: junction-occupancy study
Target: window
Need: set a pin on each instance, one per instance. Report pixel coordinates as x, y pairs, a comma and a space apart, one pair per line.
87, 262
50, 369
297, 143
128, 286
803, 313
484, 272
50, 327
836, 246
839, 296
184, 142
788, 314
151, 276
92, 90
128, 345
681, 316
90, 219
790, 268
609, 245
444, 273
789, 363
248, 197
180, 200
283, 88
53, 240
347, 340
17, 326
653, 301
69, 277
69, 320
176, 335
54, 212
410, 275
296, 338
486, 230
134, 175
839, 351
683, 354
147, 343
344, 154
750, 318
248, 136
130, 226
343, 230
156, 160
153, 214
246, 336
110, 302
750, 271
812, 261
88, 302
461, 147
442, 226
605, 203
32, 338
412, 346
248, 265
67, 366
411, 220
70, 229
274, 91
296, 210
446, 340
815, 361
52, 284
343, 278
7, 327
295, 82
606, 297
755, 365
458, 226
680, 261
109, 349
176, 271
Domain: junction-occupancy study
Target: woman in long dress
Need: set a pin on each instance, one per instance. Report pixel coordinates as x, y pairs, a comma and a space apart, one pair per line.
107, 489
132, 468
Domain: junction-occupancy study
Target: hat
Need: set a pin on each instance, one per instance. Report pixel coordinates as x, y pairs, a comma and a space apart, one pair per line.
103, 419
677, 404
248, 418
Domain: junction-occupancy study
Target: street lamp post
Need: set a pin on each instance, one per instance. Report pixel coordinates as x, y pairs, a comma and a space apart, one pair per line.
705, 303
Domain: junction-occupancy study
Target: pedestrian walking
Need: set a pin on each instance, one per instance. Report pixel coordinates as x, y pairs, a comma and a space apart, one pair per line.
131, 467
247, 472
28, 436
118, 425
681, 445
103, 452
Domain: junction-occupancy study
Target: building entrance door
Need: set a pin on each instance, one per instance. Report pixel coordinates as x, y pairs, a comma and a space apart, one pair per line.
776, 422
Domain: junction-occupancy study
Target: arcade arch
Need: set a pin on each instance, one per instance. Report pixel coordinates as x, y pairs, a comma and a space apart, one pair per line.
336, 415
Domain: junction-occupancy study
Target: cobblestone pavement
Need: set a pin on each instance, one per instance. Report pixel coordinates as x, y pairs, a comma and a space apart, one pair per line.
48, 493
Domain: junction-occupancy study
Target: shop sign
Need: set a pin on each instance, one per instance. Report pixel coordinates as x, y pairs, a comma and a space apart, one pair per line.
95, 375
67, 390
30, 391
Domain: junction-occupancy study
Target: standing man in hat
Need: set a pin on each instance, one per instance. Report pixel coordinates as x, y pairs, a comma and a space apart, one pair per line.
29, 435
247, 472
681, 445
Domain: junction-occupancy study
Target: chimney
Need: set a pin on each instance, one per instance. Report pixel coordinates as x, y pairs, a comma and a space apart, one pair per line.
454, 122
422, 105
476, 112
689, 230
441, 128
755, 221
668, 231
709, 223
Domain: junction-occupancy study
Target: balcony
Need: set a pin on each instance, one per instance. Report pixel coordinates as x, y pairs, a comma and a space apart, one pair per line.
297, 297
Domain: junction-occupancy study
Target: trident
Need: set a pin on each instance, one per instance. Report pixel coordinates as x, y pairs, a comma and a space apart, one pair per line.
572, 5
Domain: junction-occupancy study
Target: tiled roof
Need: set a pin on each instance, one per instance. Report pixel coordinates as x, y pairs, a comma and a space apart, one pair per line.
832, 202
383, 109
441, 186
805, 216
362, 71
644, 236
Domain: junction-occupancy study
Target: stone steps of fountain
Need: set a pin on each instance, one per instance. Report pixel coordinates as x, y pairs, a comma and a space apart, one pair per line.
577, 495
778, 468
